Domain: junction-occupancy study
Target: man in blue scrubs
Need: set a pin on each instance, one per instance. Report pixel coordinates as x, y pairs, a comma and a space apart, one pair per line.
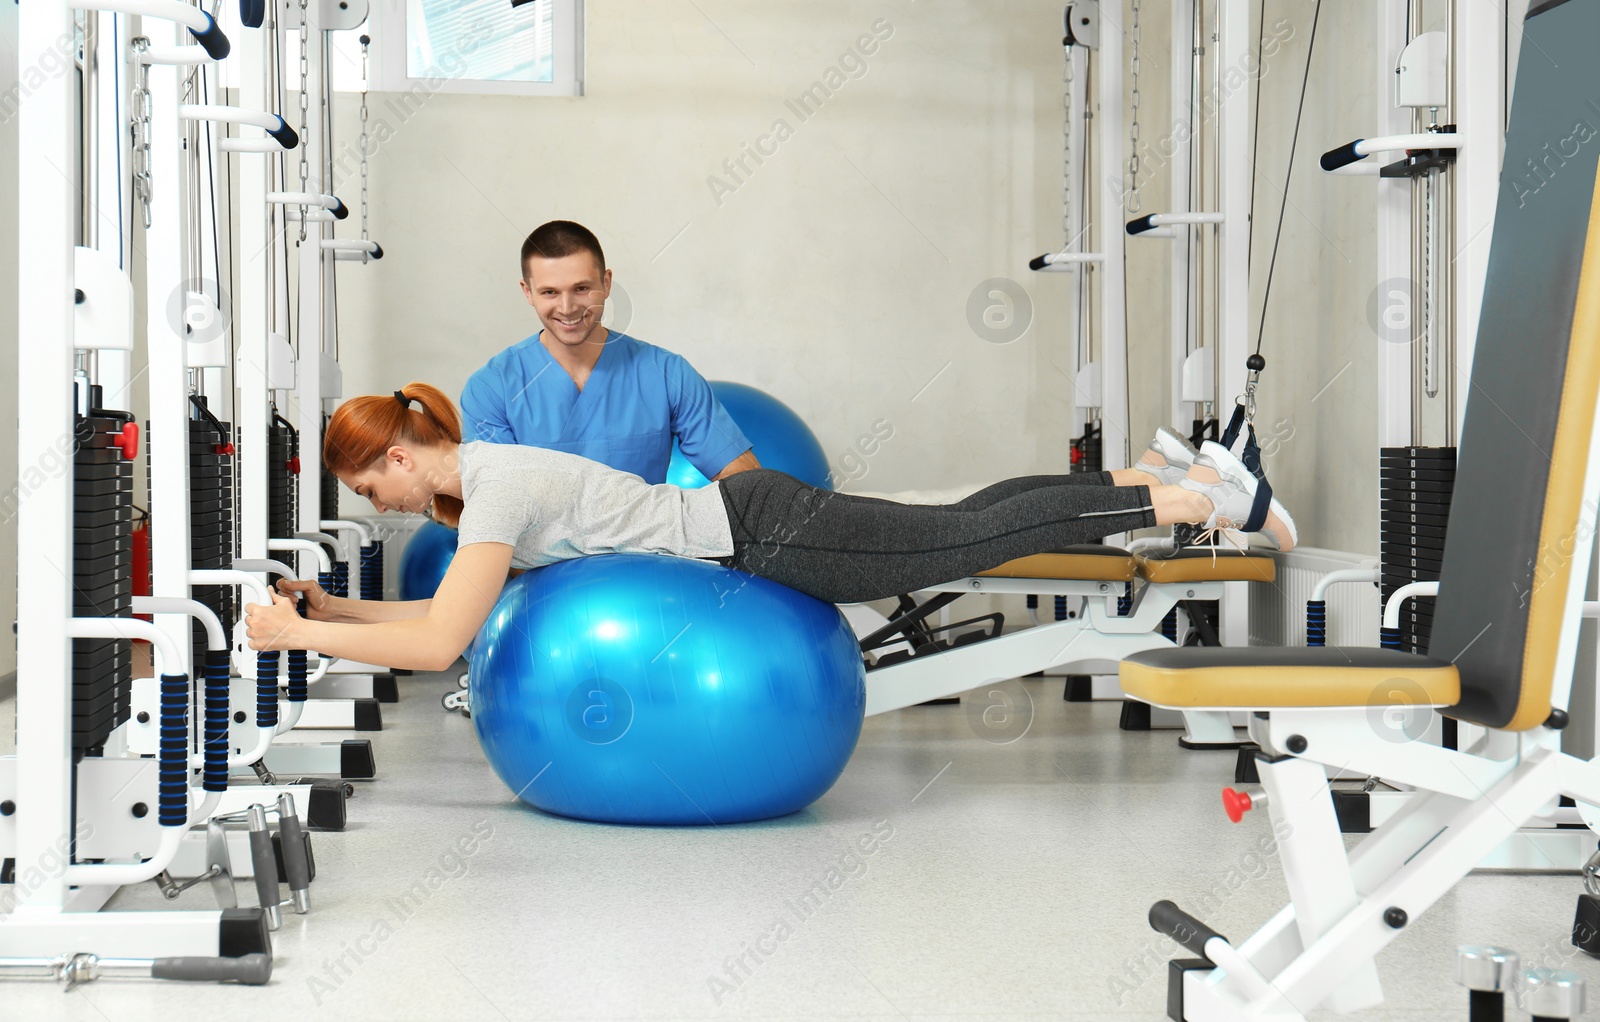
576, 386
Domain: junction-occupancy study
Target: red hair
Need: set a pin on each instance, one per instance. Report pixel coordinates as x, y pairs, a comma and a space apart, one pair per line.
363, 428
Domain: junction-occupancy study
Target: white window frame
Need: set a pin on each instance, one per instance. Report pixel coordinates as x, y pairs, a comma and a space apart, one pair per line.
386, 23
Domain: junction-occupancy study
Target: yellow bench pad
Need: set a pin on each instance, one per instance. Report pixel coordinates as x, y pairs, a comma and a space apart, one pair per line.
1196, 564
1267, 677
1088, 562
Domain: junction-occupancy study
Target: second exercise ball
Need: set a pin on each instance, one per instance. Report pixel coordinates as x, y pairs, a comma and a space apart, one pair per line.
779, 438
425, 559
644, 689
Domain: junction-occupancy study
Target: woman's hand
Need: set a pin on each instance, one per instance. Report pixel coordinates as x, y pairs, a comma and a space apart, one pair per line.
319, 605
273, 627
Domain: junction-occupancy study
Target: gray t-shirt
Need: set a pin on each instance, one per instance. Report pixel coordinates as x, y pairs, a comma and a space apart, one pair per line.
552, 506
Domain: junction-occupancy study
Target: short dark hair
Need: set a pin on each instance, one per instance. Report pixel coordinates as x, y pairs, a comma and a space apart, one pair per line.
560, 238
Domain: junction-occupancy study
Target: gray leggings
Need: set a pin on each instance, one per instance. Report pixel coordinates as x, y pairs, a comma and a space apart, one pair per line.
848, 549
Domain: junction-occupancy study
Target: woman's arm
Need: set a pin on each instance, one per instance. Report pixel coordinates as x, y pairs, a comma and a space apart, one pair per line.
321, 606
429, 642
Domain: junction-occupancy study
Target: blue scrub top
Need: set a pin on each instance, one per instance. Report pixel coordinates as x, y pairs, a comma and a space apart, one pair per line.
637, 398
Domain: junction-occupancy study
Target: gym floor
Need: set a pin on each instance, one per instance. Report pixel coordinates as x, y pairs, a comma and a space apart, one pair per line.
1004, 881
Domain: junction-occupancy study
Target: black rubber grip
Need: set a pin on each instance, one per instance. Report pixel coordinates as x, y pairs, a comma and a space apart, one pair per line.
265, 865
339, 210
1189, 932
1039, 262
284, 135
253, 13
1140, 225
253, 969
211, 39
377, 253
1343, 156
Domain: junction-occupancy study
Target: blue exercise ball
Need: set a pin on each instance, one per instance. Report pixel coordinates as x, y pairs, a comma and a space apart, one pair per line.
425, 559
637, 688
779, 437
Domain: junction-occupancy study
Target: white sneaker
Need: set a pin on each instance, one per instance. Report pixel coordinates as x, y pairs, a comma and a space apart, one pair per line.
1240, 501
1168, 458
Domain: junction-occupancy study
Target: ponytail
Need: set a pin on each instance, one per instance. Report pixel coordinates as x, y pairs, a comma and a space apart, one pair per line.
363, 428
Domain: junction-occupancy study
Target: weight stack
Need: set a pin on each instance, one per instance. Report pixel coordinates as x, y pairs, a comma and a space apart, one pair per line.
283, 464
330, 483
1415, 484
102, 575
211, 547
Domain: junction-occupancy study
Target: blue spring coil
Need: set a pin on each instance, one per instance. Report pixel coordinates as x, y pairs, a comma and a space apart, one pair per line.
1169, 625
1316, 622
267, 688
341, 578
215, 777
372, 570
1061, 608
172, 770
1389, 638
1125, 601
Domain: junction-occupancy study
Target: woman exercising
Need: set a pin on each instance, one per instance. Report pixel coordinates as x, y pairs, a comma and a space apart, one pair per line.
522, 507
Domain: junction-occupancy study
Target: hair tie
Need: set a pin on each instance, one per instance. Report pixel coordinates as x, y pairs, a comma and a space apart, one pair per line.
405, 402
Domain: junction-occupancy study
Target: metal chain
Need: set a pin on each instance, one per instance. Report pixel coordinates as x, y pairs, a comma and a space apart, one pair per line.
305, 112
1133, 105
365, 40
143, 183
1066, 148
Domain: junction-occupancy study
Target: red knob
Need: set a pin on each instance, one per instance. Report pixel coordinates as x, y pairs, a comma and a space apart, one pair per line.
128, 440
1077, 455
224, 449
294, 465
1236, 803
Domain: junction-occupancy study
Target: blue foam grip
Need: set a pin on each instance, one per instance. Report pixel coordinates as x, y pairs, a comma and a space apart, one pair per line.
211, 39
253, 13
285, 135
341, 578
339, 210
1169, 625
297, 675
267, 688
215, 777
1061, 608
1343, 156
1316, 622
1389, 638
172, 769
1140, 225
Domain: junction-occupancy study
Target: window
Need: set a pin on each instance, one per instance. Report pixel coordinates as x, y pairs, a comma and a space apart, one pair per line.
479, 46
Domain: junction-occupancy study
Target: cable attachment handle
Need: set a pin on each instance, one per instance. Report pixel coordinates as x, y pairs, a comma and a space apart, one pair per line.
1255, 363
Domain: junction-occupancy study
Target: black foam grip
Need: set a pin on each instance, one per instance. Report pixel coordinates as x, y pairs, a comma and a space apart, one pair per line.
377, 253
1189, 932
1343, 156
284, 135
252, 969
211, 39
339, 210
1140, 225
1039, 262
253, 13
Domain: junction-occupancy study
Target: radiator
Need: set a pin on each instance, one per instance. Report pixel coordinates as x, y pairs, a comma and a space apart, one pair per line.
1278, 609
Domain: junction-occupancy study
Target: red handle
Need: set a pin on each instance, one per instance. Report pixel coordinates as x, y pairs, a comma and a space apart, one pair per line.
1236, 804
294, 465
224, 449
128, 440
